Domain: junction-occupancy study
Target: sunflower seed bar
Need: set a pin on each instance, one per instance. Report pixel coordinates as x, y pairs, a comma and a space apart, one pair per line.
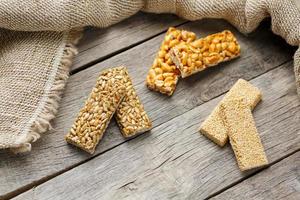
163, 75
196, 56
99, 108
243, 135
130, 115
213, 127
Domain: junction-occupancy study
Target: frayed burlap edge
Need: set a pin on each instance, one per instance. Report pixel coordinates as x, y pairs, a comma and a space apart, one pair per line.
48, 106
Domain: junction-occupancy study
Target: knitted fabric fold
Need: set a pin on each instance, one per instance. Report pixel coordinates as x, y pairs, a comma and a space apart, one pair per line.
38, 38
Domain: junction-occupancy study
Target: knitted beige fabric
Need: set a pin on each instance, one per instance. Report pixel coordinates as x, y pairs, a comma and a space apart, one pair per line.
34, 65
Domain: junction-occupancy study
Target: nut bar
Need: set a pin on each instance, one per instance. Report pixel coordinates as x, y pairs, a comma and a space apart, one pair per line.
163, 75
130, 115
98, 110
243, 135
213, 127
196, 56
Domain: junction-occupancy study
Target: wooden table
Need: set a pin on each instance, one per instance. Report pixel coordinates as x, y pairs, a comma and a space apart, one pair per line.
173, 161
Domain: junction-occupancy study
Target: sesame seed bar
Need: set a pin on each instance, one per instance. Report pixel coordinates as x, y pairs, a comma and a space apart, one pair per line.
213, 127
130, 115
243, 135
98, 110
196, 56
163, 75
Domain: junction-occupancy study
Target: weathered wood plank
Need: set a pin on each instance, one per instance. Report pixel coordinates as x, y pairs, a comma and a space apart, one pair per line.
280, 181
98, 43
51, 154
174, 161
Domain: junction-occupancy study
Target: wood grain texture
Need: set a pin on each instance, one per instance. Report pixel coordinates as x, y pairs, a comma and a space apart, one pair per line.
175, 161
261, 52
280, 181
97, 44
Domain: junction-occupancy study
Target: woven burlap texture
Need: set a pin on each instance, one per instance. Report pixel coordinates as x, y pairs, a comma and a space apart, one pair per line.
37, 39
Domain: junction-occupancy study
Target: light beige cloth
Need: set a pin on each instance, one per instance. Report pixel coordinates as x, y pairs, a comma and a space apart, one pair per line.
34, 65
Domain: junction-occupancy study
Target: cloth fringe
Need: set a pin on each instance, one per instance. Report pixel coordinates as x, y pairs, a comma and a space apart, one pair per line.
48, 112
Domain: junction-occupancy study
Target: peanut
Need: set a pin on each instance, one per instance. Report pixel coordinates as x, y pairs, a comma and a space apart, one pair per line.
158, 70
162, 53
205, 52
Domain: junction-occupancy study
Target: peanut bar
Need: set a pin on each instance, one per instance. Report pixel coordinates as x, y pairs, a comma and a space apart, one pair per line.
196, 56
243, 135
98, 110
163, 75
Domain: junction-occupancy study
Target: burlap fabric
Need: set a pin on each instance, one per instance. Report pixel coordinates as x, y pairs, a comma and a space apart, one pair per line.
34, 64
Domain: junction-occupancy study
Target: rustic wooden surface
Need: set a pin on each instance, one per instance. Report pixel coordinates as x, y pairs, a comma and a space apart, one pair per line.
280, 181
173, 160
98, 44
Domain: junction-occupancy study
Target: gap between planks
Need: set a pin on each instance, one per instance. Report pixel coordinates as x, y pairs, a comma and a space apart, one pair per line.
45, 179
97, 43
251, 175
114, 53
280, 181
34, 184
85, 66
